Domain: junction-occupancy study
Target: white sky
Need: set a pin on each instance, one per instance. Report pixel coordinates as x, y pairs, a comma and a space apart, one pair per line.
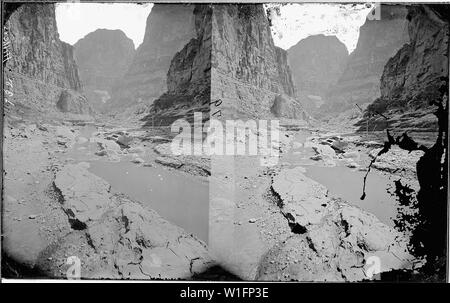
76, 20
296, 22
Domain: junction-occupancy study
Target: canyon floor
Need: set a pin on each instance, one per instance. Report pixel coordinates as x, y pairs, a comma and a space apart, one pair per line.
115, 197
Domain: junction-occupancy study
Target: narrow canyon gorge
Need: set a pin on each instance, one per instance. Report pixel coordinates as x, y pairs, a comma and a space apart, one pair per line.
90, 170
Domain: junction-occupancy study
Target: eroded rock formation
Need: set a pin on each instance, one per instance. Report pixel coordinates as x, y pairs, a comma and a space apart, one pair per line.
378, 41
116, 237
249, 73
413, 78
188, 78
169, 28
41, 67
232, 64
331, 240
317, 62
103, 57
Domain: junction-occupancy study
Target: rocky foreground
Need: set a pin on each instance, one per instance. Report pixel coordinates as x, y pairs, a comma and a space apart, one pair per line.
55, 208
266, 223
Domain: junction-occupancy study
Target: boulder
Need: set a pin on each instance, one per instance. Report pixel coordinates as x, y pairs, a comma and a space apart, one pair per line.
335, 241
168, 161
351, 155
64, 132
352, 164
85, 196
324, 150
137, 160
124, 140
304, 200
101, 153
70, 101
108, 145
137, 150
120, 238
316, 157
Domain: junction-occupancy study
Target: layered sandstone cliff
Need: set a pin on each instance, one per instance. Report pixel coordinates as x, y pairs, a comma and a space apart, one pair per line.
103, 57
378, 41
317, 62
42, 68
169, 27
250, 75
416, 76
232, 69
188, 77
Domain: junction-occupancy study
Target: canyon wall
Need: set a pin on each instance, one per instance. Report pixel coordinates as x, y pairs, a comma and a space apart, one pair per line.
103, 57
317, 62
169, 27
417, 75
250, 75
378, 41
42, 68
188, 77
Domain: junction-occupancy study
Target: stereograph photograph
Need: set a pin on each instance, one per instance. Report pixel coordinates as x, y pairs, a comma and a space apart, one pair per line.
195, 141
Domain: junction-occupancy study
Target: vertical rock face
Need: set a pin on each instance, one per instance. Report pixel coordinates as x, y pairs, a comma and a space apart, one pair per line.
188, 78
414, 74
232, 63
317, 62
249, 73
418, 73
378, 41
41, 67
169, 28
103, 57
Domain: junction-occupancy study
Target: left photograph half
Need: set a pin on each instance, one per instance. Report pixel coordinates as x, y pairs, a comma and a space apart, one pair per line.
89, 190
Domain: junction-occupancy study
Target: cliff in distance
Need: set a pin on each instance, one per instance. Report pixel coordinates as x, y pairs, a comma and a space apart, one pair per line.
317, 62
378, 41
41, 67
169, 27
231, 60
416, 76
103, 57
188, 77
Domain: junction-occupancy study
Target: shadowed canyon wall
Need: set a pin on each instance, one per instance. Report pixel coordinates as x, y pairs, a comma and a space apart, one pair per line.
41, 67
414, 77
188, 77
317, 62
232, 64
378, 41
250, 75
169, 27
103, 57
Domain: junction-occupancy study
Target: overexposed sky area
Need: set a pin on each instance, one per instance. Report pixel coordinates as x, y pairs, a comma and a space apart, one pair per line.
76, 20
298, 21
294, 23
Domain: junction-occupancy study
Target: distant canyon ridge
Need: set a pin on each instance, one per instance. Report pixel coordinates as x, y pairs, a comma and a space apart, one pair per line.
195, 54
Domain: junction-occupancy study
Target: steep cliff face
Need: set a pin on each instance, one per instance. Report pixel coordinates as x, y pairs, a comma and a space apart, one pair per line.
417, 75
188, 78
317, 62
41, 67
169, 27
250, 75
378, 41
231, 70
103, 57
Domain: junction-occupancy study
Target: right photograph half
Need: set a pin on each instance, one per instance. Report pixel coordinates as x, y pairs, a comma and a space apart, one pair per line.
284, 142
348, 104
